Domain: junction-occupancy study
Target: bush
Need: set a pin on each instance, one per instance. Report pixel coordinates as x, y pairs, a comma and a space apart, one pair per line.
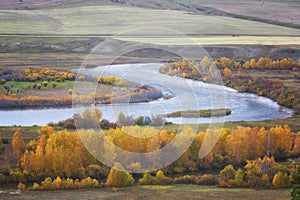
68, 184
258, 183
36, 186
17, 177
228, 172
139, 121
54, 84
161, 179
22, 186
239, 177
207, 179
187, 179
45, 83
147, 179
46, 184
89, 183
295, 193
281, 180
118, 178
57, 183
2, 81
69, 124
4, 178
94, 171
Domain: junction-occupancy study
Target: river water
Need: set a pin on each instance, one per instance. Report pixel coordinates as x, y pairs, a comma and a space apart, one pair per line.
186, 95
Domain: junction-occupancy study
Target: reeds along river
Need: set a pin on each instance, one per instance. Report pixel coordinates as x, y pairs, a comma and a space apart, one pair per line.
186, 95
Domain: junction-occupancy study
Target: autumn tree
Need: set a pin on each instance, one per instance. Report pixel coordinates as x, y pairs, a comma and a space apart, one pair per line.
281, 180
227, 72
18, 146
88, 119
119, 178
240, 71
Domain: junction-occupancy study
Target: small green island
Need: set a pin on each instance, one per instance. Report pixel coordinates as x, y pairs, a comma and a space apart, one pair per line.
200, 113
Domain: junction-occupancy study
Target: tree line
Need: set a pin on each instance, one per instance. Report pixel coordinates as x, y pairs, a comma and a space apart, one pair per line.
62, 153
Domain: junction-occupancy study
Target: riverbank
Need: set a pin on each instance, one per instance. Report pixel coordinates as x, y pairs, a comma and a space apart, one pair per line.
284, 90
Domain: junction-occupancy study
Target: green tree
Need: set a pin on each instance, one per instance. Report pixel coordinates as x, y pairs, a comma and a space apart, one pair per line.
147, 179
45, 83
121, 119
54, 84
295, 193
239, 177
228, 172
139, 121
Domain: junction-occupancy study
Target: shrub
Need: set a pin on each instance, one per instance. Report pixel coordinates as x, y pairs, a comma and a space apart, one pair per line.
36, 186
67, 184
89, 183
45, 83
69, 124
207, 179
57, 183
4, 178
118, 178
239, 177
147, 179
93, 171
54, 84
281, 180
187, 179
161, 179
2, 81
139, 121
77, 184
22, 186
17, 177
46, 184
228, 172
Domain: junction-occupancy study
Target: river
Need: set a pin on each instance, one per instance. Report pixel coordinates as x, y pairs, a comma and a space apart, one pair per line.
186, 95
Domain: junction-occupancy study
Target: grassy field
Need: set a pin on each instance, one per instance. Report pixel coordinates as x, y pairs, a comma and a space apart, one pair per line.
218, 40
173, 192
275, 11
107, 20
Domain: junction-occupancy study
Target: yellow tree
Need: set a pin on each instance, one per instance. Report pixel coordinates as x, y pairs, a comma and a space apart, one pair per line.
261, 63
240, 71
119, 178
296, 149
226, 62
227, 72
18, 146
252, 63
109, 153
